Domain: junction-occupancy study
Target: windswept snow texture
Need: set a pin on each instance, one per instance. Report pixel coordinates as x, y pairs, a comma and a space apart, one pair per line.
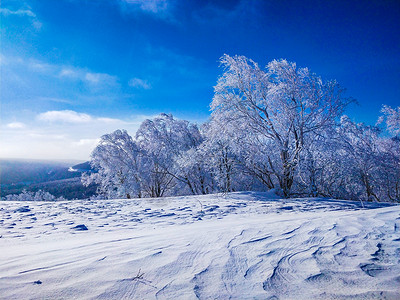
236, 246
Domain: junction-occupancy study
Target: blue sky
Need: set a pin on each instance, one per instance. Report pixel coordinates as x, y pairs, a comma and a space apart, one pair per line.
76, 69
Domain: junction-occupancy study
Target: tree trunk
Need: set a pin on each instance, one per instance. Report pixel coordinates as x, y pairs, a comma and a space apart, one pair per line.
286, 180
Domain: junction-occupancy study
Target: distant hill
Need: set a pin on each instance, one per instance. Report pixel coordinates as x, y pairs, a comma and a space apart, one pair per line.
55, 177
82, 167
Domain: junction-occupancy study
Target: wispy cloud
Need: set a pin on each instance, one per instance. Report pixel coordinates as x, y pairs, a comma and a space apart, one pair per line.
69, 73
92, 79
61, 134
139, 83
91, 143
109, 120
68, 116
98, 78
19, 12
154, 6
16, 125
22, 13
73, 117
41, 67
46, 136
56, 100
88, 77
161, 9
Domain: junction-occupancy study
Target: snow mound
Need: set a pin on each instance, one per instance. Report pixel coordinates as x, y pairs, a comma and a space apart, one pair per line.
239, 245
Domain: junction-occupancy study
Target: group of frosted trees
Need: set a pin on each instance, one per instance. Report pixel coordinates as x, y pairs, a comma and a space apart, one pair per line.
279, 128
32, 196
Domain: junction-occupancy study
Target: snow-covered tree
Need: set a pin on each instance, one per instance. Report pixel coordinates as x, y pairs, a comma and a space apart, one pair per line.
159, 159
192, 163
218, 156
25, 195
118, 160
391, 118
224, 155
279, 107
390, 169
362, 153
275, 128
170, 143
317, 166
390, 159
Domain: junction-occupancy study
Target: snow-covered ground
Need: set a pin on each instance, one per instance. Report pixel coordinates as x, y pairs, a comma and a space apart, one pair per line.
238, 246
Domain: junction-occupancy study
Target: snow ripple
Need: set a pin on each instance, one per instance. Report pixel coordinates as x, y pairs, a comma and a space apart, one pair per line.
240, 246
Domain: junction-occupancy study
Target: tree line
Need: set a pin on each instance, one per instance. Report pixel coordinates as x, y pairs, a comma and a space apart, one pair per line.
281, 127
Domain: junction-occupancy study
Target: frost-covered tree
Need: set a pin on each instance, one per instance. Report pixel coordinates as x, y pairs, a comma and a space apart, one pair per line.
390, 158
25, 195
279, 107
317, 170
159, 159
390, 169
355, 161
118, 160
218, 156
225, 157
192, 163
275, 128
171, 145
363, 157
391, 118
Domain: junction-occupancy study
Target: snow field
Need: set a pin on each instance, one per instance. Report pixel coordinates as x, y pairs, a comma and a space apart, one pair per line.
237, 246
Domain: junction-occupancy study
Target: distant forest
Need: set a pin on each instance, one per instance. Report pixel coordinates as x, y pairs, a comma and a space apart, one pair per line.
60, 179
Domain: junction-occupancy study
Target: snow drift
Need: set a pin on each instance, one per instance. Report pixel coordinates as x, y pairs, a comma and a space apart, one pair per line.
239, 246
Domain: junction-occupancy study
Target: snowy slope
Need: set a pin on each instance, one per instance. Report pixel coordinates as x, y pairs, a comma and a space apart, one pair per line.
238, 246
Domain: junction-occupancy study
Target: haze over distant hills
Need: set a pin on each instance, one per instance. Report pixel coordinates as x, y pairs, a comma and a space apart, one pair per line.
60, 178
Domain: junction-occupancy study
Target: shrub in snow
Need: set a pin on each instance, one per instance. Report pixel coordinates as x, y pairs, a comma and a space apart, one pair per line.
31, 196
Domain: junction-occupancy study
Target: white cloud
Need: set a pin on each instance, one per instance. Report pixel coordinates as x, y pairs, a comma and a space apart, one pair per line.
19, 12
139, 83
57, 100
16, 125
95, 81
91, 78
100, 78
46, 136
22, 13
62, 135
40, 66
68, 116
91, 143
154, 6
66, 72
109, 120
161, 9
37, 24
